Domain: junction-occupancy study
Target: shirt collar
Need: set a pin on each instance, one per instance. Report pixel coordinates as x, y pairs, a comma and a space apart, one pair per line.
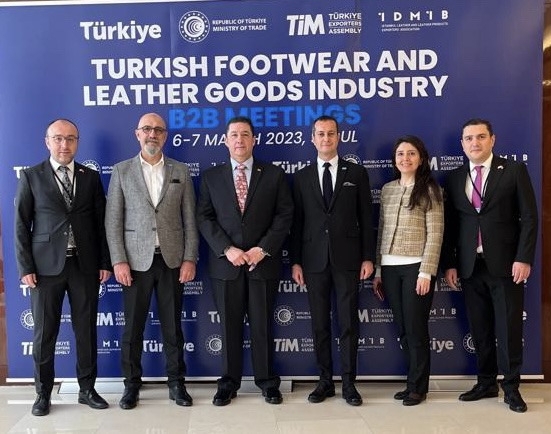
334, 162
160, 163
248, 163
56, 165
487, 164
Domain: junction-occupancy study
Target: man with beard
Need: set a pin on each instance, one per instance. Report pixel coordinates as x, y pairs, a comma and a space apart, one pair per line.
153, 241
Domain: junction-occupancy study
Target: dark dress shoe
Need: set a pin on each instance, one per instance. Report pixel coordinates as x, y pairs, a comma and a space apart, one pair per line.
351, 395
130, 398
480, 391
515, 401
322, 391
92, 399
401, 395
41, 406
178, 393
223, 397
414, 399
272, 395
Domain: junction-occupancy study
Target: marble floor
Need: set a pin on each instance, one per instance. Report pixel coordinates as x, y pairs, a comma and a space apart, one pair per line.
442, 413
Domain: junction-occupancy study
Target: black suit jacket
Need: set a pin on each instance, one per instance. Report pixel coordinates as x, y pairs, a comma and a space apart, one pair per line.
508, 220
42, 222
265, 222
344, 233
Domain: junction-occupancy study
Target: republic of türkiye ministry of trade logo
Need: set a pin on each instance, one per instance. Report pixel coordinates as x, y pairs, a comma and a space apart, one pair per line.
284, 315
213, 344
352, 158
194, 26
91, 164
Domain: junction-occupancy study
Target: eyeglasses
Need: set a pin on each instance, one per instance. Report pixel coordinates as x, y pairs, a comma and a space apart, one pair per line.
59, 139
147, 129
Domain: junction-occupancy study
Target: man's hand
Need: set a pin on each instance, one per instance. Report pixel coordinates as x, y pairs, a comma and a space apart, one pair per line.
451, 277
122, 273
187, 271
297, 274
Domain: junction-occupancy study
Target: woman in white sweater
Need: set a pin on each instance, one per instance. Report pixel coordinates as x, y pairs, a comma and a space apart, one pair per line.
411, 225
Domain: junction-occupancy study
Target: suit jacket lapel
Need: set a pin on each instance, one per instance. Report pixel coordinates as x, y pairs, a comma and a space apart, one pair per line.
138, 175
315, 184
462, 178
52, 177
496, 172
342, 171
256, 174
228, 186
168, 168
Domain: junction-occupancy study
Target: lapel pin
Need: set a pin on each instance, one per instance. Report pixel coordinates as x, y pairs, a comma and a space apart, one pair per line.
500, 167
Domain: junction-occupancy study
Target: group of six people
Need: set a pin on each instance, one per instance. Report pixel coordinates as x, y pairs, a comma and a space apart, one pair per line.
482, 228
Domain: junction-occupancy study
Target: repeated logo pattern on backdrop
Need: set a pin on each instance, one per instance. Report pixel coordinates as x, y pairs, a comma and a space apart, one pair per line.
383, 68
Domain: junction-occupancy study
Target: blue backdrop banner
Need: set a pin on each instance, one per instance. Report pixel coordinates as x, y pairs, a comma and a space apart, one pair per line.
383, 68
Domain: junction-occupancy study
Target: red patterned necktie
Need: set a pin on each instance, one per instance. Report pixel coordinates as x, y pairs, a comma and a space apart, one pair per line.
241, 186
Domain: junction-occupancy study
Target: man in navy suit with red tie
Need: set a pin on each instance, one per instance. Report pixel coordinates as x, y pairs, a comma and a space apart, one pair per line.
244, 212
490, 239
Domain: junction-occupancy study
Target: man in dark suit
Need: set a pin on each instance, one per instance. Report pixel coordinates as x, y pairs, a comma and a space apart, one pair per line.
153, 241
332, 246
489, 242
60, 247
244, 213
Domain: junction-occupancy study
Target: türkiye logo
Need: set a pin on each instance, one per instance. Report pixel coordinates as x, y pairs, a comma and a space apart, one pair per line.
92, 164
26, 319
102, 290
194, 26
468, 343
213, 344
284, 315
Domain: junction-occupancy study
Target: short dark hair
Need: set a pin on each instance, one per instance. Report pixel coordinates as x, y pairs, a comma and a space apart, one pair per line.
478, 121
324, 118
240, 119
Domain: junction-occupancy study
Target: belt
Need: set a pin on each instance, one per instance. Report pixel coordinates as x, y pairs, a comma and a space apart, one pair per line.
71, 251
157, 250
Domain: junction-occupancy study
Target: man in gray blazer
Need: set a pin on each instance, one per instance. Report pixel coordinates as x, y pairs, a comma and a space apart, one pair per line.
153, 241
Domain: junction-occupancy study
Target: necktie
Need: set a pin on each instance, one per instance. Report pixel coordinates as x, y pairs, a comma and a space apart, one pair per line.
68, 196
327, 184
241, 186
476, 197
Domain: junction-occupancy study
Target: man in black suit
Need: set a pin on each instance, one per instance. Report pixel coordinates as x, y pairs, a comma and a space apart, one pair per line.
490, 238
244, 212
60, 247
332, 247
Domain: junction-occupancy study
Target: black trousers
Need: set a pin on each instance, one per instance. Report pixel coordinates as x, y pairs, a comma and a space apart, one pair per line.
411, 315
255, 298
137, 298
46, 304
495, 309
344, 285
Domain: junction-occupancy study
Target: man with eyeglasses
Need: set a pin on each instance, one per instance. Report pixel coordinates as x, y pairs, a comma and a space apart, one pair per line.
332, 249
60, 247
153, 241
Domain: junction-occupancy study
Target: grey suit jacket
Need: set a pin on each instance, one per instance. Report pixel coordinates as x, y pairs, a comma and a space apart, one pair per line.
131, 219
